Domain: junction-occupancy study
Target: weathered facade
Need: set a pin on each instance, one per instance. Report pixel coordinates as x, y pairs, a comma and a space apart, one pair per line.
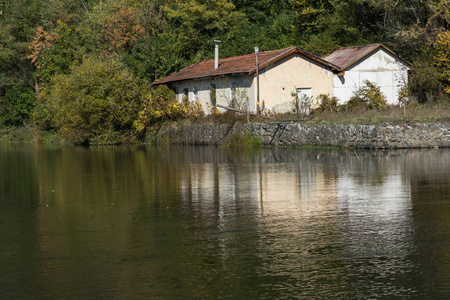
282, 75
374, 63
287, 75
292, 76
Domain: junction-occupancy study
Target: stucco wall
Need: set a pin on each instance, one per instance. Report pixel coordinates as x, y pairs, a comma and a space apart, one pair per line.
224, 85
381, 68
277, 83
280, 80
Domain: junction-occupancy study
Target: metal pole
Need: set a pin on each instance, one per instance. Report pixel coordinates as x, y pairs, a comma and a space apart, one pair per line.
257, 82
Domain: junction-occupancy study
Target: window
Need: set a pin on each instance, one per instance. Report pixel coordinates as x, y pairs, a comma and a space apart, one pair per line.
212, 95
233, 95
195, 91
185, 95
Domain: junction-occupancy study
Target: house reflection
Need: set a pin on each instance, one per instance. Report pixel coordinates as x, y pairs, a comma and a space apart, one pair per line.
272, 182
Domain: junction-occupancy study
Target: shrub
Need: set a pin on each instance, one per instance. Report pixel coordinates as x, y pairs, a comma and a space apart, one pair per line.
241, 141
161, 105
369, 96
424, 83
326, 103
16, 106
97, 101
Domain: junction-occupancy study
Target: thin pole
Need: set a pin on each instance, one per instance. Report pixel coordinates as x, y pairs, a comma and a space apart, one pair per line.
257, 82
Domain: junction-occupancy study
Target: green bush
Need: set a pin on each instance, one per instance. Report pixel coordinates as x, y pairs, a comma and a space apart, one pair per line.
161, 105
369, 96
97, 102
241, 141
16, 106
424, 84
326, 104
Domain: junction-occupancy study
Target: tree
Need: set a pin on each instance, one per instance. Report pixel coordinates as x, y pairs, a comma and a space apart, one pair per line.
16, 106
97, 102
442, 58
121, 30
198, 22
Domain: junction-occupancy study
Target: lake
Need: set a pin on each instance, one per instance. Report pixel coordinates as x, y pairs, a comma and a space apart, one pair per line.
147, 222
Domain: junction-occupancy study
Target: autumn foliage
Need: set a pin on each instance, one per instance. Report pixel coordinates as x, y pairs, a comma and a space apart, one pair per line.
121, 30
84, 68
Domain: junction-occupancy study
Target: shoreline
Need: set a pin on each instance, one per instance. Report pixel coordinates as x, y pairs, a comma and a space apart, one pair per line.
386, 136
274, 134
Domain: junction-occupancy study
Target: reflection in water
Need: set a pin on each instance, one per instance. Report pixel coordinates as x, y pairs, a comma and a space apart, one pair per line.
198, 222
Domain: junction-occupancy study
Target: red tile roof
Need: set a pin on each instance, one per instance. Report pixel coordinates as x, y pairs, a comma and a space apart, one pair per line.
238, 65
346, 57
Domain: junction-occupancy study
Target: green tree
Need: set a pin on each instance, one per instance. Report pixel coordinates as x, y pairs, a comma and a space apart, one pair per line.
97, 102
54, 55
442, 58
16, 105
198, 22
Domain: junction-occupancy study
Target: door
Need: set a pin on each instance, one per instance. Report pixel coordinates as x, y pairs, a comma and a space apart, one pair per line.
304, 100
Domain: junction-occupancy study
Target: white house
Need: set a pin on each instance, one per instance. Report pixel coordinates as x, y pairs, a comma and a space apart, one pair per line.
286, 73
374, 63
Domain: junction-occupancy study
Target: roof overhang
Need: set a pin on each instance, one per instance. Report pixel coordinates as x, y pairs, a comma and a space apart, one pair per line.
157, 82
311, 56
380, 46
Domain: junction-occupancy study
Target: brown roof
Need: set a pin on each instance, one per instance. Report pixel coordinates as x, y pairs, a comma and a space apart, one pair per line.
238, 65
346, 57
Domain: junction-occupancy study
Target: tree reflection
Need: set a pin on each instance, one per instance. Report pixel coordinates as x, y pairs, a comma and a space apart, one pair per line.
203, 222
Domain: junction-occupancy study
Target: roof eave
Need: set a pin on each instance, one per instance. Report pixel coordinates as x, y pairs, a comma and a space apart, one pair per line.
351, 63
333, 67
156, 82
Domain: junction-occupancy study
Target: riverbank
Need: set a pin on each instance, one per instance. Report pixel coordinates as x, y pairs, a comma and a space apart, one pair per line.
386, 136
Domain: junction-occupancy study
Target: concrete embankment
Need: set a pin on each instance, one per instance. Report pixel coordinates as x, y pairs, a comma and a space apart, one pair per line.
420, 135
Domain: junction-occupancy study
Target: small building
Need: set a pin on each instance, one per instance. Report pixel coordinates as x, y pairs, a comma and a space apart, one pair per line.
375, 63
287, 76
283, 74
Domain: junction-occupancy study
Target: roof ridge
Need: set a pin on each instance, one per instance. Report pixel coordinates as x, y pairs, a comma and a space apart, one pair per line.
243, 64
262, 52
360, 46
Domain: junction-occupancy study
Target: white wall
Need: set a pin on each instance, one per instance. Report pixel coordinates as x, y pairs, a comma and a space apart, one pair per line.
382, 68
241, 84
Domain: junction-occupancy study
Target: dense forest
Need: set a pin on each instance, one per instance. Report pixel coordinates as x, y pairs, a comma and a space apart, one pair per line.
85, 67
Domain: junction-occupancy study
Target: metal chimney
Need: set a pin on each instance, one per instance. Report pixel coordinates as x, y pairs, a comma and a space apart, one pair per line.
216, 54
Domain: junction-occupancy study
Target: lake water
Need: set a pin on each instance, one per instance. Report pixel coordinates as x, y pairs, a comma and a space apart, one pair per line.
205, 223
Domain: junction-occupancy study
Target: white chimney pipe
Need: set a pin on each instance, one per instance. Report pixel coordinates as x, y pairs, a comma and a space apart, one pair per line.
216, 54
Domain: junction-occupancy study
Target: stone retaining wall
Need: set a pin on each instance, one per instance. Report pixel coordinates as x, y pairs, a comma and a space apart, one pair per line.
421, 135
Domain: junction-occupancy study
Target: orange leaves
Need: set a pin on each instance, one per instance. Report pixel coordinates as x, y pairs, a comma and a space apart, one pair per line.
122, 29
42, 40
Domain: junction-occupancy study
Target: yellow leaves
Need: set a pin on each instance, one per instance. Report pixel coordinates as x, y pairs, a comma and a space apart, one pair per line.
442, 57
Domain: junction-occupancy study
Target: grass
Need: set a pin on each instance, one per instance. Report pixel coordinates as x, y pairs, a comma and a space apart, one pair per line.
241, 141
30, 133
392, 115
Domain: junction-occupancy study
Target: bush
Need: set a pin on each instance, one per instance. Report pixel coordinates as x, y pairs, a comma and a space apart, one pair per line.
241, 141
161, 105
326, 104
424, 83
16, 106
369, 96
97, 102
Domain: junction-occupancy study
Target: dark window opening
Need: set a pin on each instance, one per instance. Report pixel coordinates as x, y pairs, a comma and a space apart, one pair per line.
212, 95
